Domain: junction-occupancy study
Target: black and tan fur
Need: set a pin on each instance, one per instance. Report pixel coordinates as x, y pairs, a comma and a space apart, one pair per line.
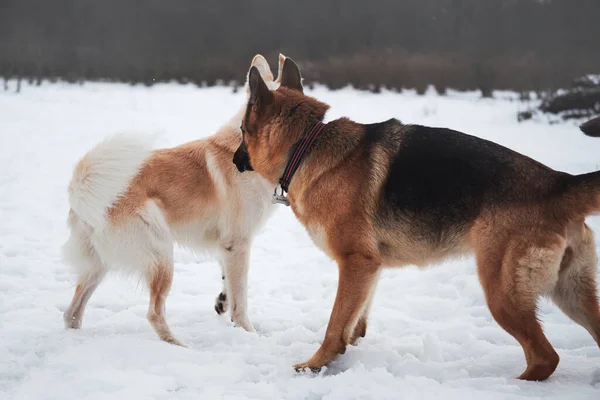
391, 194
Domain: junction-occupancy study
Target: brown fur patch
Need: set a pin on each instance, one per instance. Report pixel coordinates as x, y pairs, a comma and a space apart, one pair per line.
195, 191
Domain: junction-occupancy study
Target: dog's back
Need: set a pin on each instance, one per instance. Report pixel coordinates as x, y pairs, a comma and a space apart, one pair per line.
448, 178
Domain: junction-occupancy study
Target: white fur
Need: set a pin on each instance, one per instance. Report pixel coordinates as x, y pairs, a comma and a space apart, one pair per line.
144, 245
104, 173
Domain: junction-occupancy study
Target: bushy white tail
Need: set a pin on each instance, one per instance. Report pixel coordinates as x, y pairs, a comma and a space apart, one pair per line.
104, 173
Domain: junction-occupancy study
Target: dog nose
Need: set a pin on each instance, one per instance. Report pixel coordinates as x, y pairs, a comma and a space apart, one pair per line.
240, 166
241, 159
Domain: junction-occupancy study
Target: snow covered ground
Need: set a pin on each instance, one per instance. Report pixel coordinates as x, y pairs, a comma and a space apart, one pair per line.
430, 335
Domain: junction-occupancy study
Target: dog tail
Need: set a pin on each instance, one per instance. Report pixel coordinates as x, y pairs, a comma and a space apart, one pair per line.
591, 127
104, 173
582, 194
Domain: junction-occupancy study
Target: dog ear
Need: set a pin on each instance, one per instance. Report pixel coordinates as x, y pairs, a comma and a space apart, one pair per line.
259, 92
280, 67
263, 67
290, 75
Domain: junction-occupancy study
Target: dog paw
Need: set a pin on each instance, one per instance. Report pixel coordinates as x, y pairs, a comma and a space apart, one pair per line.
221, 303
305, 368
71, 322
360, 331
172, 340
243, 322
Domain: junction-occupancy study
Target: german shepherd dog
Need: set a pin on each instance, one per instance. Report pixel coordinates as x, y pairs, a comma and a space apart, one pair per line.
129, 205
390, 194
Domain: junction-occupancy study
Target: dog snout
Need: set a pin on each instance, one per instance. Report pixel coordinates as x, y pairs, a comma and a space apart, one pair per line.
240, 166
241, 159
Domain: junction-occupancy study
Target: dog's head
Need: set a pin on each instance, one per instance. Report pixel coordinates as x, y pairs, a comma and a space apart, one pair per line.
275, 119
591, 127
241, 158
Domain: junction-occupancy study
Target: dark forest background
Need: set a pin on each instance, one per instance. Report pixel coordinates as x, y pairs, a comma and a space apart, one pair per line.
462, 44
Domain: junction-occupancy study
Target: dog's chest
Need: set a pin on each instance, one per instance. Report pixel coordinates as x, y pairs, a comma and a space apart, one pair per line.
315, 230
238, 215
319, 237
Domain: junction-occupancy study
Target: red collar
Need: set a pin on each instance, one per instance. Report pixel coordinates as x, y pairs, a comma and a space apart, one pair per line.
295, 161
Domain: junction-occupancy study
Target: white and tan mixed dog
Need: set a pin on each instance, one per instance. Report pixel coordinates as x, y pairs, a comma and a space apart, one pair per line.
130, 205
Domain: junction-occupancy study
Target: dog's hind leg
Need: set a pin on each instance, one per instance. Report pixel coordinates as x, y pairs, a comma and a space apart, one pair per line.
576, 292
161, 278
86, 285
235, 256
150, 233
513, 277
82, 256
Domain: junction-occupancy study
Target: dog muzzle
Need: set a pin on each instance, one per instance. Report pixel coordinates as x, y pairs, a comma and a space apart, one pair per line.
241, 159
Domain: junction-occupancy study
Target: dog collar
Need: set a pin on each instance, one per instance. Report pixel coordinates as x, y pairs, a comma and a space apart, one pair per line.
279, 196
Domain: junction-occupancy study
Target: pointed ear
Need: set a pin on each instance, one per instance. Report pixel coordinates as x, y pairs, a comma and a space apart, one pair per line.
259, 92
290, 75
280, 67
263, 67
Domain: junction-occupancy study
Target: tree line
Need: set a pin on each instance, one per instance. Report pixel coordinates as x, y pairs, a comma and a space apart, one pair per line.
462, 44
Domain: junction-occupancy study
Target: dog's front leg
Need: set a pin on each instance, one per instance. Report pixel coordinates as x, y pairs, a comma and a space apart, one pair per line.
360, 330
357, 275
221, 302
235, 263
